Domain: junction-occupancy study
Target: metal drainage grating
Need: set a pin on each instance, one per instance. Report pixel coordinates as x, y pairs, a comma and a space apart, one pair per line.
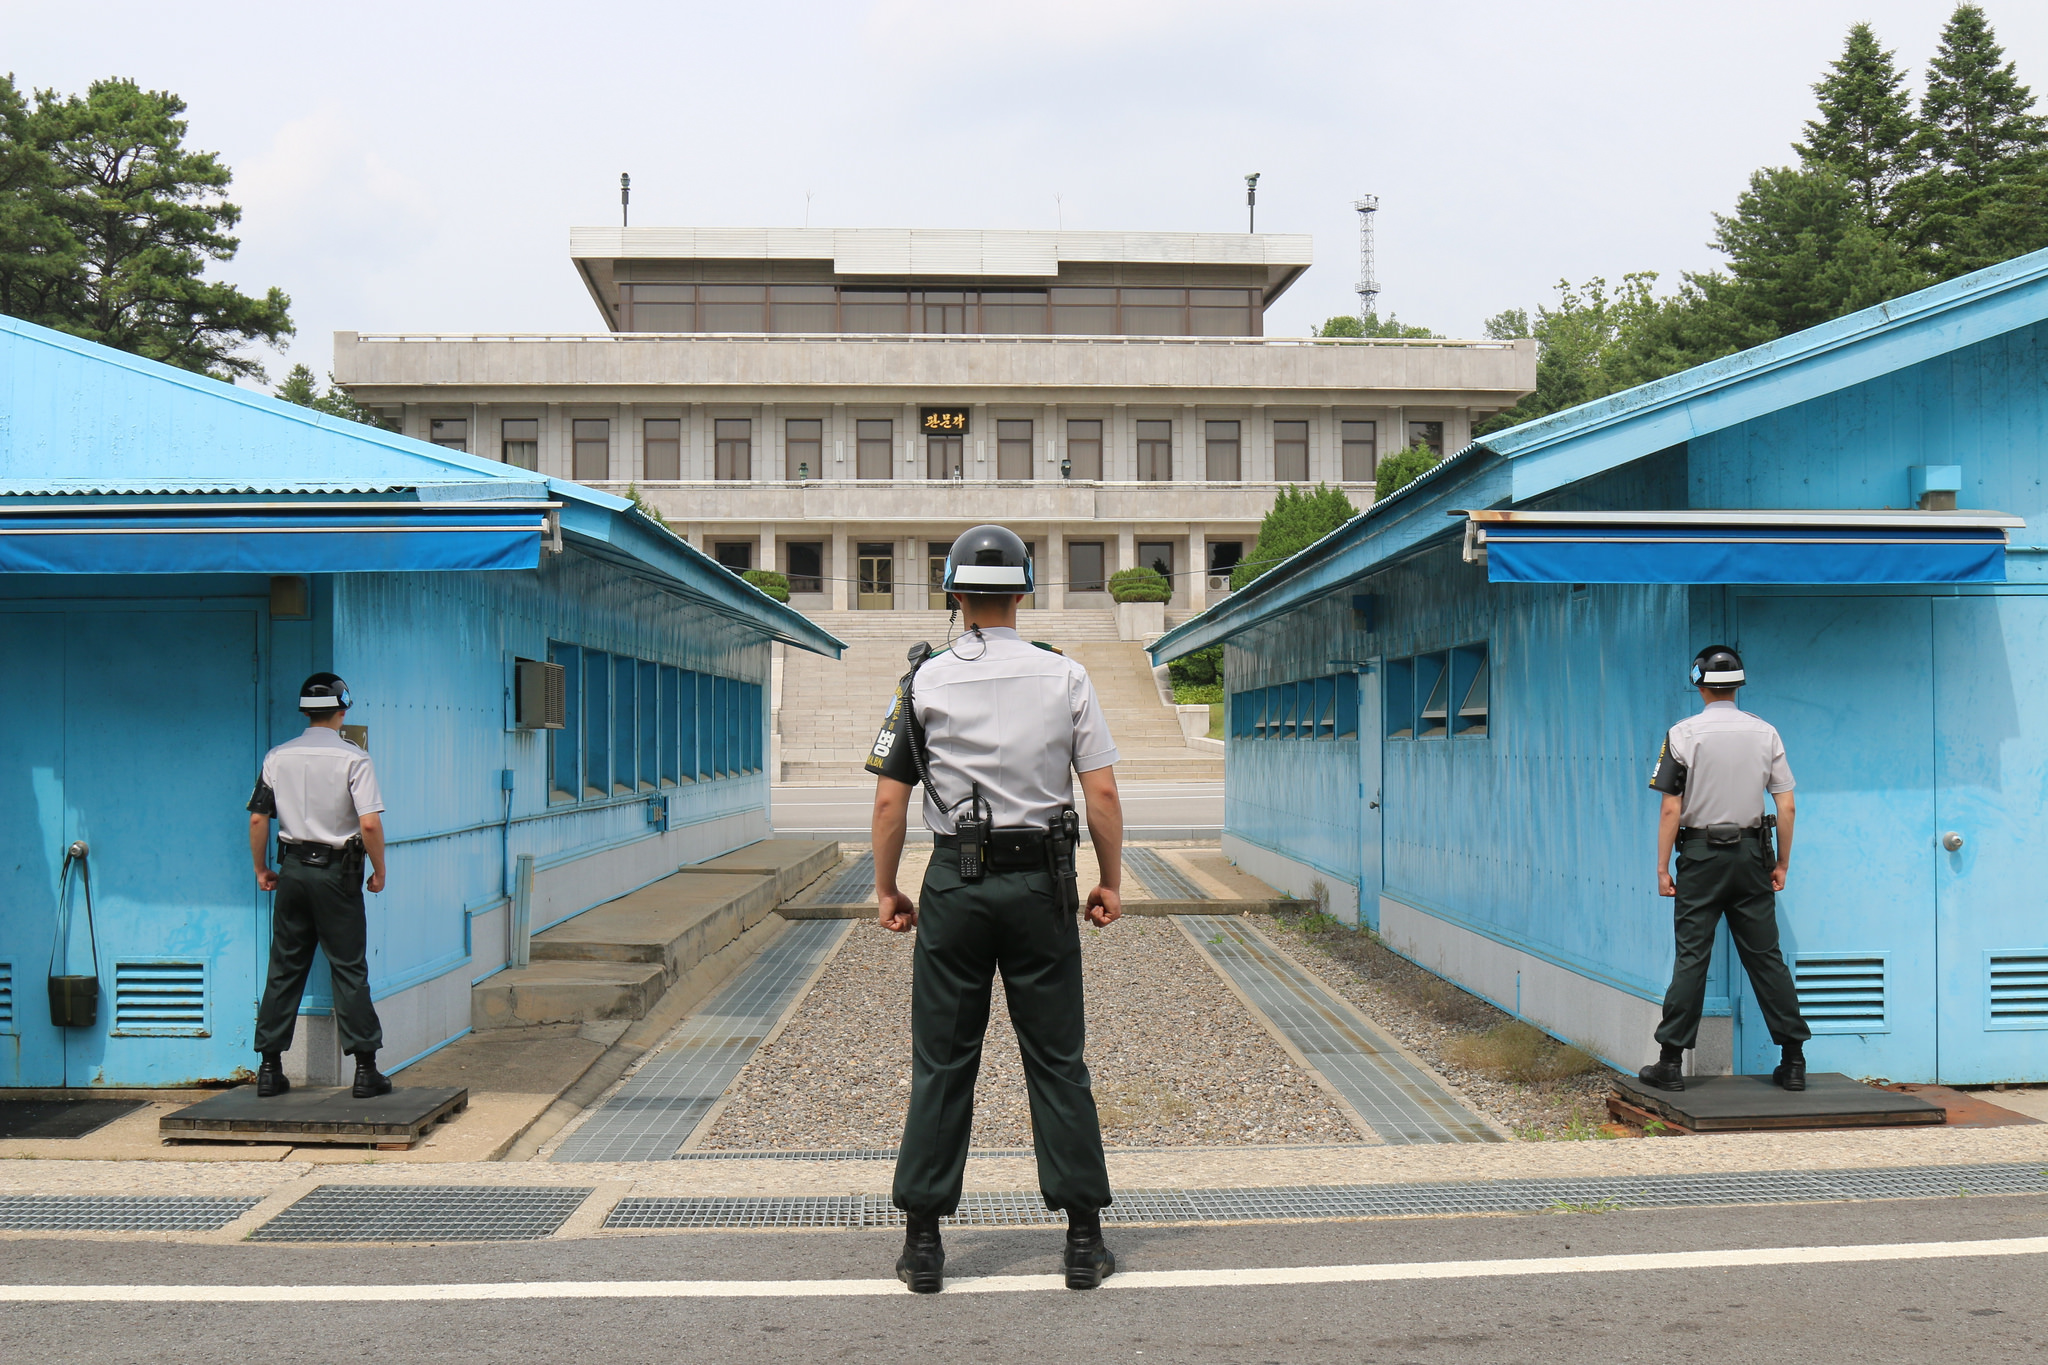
1165, 881
854, 886
1281, 1202
425, 1213
120, 1212
834, 1154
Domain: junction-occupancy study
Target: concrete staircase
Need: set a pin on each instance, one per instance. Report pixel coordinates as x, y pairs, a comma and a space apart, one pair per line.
617, 960
830, 711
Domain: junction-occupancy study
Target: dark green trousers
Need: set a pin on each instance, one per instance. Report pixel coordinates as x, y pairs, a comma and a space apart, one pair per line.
966, 932
1734, 881
318, 907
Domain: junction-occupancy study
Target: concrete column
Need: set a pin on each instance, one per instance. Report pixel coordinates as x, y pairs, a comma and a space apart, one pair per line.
910, 589
1196, 580
1330, 444
767, 447
1126, 547
1396, 438
911, 466
1191, 453
1052, 570
1052, 439
1120, 445
838, 439
697, 459
764, 557
840, 567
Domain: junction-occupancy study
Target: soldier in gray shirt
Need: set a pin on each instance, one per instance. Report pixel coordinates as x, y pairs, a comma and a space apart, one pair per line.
994, 729
1713, 771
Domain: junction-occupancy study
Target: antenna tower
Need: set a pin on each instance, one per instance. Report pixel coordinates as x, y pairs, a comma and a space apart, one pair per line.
1368, 282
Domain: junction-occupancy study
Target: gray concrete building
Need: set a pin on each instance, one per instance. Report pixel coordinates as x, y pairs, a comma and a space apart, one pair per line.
838, 404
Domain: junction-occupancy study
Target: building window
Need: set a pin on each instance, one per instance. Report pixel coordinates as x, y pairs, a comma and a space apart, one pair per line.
945, 311
732, 307
1221, 313
806, 559
1399, 699
874, 447
737, 555
662, 447
1430, 434
874, 310
945, 457
1326, 708
1225, 555
597, 724
1347, 706
1361, 451
1013, 450
564, 782
803, 308
591, 449
660, 307
625, 725
1084, 449
519, 442
1433, 686
1084, 566
1155, 451
1155, 312
1469, 685
734, 459
1083, 312
1290, 452
803, 448
451, 433
1225, 454
1021, 313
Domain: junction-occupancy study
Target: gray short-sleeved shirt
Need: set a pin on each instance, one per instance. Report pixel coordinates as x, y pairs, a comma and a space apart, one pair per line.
319, 786
1015, 719
1720, 763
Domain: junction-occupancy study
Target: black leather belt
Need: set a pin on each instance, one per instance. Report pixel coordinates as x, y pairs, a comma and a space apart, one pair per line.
1700, 832
317, 855
1008, 849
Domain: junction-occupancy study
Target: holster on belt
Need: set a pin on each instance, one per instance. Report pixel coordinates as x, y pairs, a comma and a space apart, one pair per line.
1062, 837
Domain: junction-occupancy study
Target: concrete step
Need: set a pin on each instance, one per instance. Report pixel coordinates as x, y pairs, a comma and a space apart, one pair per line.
792, 863
566, 993
673, 923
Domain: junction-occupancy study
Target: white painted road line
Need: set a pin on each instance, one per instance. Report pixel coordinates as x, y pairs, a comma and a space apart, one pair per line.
1013, 1284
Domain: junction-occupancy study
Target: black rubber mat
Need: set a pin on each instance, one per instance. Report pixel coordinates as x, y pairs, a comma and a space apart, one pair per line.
60, 1118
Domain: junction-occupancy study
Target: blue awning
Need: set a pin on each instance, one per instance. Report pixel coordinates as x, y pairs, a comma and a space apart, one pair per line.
1739, 547
283, 538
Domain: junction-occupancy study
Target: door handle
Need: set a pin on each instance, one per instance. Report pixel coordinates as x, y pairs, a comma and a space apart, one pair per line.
1372, 805
1952, 841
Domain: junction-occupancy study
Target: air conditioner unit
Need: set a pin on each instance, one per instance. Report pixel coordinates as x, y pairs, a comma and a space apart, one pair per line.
1219, 582
540, 695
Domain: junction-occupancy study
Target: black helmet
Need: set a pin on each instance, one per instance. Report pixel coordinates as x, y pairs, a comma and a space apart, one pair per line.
324, 692
1717, 667
988, 559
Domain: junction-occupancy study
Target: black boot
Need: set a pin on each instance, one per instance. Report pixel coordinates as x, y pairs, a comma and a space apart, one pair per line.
370, 1082
270, 1077
1088, 1262
1791, 1070
922, 1265
1668, 1071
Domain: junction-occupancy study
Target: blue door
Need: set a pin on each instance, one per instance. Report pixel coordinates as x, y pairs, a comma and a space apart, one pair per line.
1372, 732
1849, 682
1991, 758
145, 747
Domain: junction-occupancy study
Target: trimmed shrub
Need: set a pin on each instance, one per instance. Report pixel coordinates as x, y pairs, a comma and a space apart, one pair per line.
1298, 519
767, 580
1203, 668
1404, 467
1139, 584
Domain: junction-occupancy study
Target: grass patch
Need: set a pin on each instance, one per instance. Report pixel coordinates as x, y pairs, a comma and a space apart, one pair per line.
1216, 720
1516, 1051
1196, 694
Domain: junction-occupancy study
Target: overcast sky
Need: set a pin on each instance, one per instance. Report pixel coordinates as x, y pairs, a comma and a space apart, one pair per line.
418, 166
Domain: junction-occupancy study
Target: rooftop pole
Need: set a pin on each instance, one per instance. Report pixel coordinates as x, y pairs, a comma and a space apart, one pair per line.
1251, 202
625, 198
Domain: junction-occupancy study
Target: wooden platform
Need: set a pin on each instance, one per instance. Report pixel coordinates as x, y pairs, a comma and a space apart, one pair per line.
1744, 1104
315, 1115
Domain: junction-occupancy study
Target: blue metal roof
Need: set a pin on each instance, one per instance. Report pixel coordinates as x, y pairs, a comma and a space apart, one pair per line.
1525, 461
85, 424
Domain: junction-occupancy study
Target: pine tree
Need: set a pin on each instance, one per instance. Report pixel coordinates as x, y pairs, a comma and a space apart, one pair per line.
1865, 132
1299, 518
1976, 119
302, 388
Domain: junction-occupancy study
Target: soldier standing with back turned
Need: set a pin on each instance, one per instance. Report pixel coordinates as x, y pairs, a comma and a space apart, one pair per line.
1713, 771
994, 730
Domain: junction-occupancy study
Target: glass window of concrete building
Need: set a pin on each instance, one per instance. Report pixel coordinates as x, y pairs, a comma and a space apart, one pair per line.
1013, 449
737, 555
661, 447
734, 456
1361, 451
1155, 451
591, 453
1290, 452
1110, 396
450, 432
519, 442
803, 448
1084, 449
1225, 451
876, 437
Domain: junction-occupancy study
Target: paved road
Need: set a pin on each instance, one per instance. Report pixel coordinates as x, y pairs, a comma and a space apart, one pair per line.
1911, 1310
1157, 809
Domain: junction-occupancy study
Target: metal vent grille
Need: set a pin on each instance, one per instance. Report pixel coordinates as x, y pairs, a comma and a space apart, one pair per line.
6, 997
1842, 993
160, 998
540, 695
2017, 991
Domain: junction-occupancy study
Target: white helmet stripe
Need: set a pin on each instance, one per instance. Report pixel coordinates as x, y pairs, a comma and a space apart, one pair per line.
988, 575
1723, 677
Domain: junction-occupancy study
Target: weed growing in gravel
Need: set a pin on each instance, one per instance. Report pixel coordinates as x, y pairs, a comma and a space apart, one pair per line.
1140, 1102
1594, 1206
1516, 1051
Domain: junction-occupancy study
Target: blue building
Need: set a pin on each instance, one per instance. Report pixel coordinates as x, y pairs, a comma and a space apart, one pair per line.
539, 670
1446, 712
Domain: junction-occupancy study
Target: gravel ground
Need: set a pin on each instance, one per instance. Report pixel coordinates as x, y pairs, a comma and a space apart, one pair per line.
1176, 1059
1427, 1014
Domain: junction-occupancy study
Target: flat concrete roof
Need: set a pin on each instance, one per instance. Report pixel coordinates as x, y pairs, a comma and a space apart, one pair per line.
942, 252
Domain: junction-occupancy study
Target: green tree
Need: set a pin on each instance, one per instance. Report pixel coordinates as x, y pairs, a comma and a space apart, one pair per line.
301, 388
1372, 325
770, 582
1508, 325
646, 508
1801, 252
1298, 519
1402, 468
131, 217
1582, 346
1865, 132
